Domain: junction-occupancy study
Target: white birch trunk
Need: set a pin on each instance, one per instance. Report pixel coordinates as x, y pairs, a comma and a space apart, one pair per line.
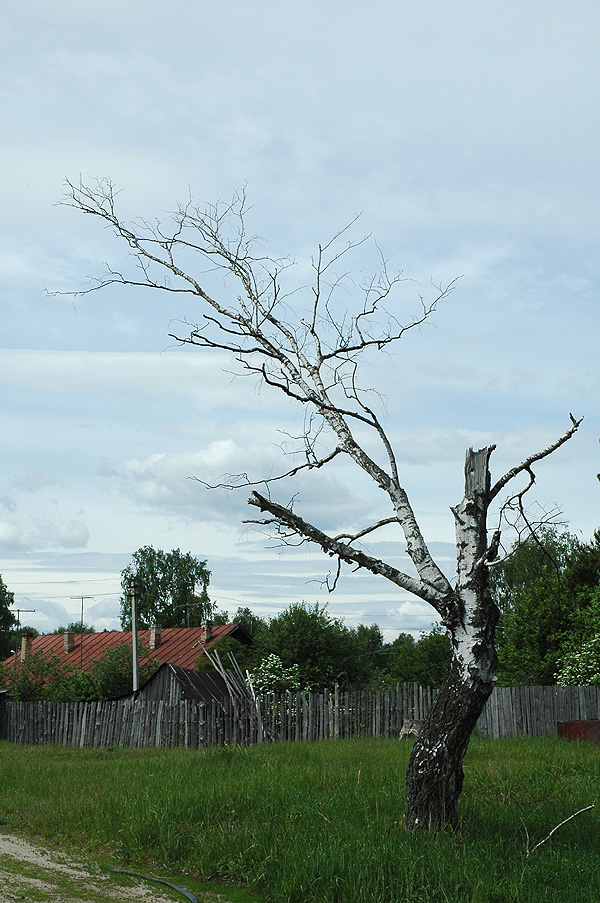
435, 775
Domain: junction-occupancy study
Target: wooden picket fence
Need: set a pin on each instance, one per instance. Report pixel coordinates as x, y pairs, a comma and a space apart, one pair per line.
293, 717
535, 711
135, 721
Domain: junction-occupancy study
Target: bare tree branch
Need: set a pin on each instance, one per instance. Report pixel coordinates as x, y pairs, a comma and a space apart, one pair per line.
348, 554
352, 537
564, 822
239, 480
526, 464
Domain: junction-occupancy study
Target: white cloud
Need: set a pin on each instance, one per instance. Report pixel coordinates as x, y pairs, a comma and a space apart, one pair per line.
34, 481
7, 502
470, 150
174, 482
41, 534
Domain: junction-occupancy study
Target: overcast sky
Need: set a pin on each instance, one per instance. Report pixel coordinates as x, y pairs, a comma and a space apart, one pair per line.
465, 134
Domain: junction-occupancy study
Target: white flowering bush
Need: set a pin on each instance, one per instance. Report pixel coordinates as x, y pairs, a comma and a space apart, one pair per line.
581, 668
272, 677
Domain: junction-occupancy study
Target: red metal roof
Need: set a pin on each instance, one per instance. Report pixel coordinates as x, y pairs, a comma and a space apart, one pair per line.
178, 645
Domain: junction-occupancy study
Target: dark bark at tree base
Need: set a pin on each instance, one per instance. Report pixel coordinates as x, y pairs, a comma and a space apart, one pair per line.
434, 776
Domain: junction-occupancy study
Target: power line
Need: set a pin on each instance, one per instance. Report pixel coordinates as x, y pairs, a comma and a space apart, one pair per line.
43, 597
53, 582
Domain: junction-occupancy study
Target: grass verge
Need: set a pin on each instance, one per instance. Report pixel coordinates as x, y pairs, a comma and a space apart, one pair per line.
320, 822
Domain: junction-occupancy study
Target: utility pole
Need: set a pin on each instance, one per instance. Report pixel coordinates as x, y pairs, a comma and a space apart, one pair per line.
19, 610
134, 637
81, 628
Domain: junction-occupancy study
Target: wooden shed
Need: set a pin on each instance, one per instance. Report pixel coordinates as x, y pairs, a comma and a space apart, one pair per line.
172, 684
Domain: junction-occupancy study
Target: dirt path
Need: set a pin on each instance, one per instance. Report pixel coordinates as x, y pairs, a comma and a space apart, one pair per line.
30, 872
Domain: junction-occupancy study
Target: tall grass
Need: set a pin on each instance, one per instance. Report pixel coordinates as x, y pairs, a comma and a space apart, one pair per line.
321, 822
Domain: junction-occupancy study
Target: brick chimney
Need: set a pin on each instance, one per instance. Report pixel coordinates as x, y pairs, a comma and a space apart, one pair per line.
155, 636
205, 632
69, 643
26, 644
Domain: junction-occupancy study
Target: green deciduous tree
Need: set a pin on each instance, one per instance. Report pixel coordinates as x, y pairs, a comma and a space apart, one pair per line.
545, 605
112, 673
580, 663
325, 651
75, 627
43, 676
423, 661
369, 645
39, 677
582, 573
251, 622
7, 620
171, 589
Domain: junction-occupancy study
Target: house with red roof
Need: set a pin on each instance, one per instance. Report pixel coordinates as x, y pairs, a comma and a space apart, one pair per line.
180, 646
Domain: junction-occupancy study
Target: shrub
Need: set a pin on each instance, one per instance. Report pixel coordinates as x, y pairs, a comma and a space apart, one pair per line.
272, 677
582, 667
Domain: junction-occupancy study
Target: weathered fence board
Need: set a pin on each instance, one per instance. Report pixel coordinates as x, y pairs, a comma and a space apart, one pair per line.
295, 717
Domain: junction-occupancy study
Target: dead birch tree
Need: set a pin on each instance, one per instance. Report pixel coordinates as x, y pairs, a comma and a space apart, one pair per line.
313, 358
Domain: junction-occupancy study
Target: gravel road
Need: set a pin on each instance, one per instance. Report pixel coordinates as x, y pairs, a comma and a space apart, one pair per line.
31, 872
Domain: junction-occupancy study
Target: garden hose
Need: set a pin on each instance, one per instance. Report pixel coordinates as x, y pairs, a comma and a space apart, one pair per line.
186, 893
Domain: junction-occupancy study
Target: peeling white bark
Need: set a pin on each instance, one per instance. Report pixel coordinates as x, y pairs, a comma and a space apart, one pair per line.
470, 635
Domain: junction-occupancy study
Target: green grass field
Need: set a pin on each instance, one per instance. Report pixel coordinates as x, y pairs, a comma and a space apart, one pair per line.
320, 822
